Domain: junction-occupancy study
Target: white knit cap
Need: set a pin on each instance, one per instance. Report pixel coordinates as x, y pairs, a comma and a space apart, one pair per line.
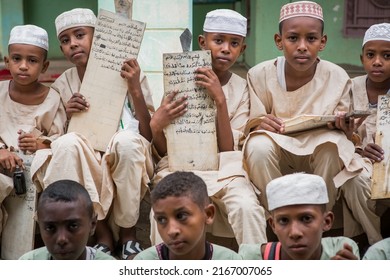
379, 31
30, 35
301, 9
75, 18
225, 21
294, 189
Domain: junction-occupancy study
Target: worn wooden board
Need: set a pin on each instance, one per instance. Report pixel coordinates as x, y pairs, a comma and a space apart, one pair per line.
115, 40
191, 138
19, 232
381, 173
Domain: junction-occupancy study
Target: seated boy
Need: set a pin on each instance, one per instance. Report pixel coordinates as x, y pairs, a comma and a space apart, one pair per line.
292, 85
365, 213
239, 212
31, 114
297, 203
117, 179
182, 210
66, 220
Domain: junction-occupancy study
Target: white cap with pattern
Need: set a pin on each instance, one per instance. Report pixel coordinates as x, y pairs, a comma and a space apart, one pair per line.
29, 34
295, 189
379, 31
301, 9
225, 21
75, 18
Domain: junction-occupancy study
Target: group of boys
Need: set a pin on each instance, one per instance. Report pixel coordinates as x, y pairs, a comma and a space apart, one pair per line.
251, 184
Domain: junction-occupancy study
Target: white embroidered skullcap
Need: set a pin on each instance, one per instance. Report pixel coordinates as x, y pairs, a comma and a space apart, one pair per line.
75, 18
297, 188
301, 9
379, 31
29, 34
225, 21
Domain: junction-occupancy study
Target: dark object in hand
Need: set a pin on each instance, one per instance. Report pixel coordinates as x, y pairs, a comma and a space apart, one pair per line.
19, 182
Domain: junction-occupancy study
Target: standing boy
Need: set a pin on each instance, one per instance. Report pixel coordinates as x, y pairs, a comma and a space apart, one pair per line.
366, 89
297, 203
229, 186
295, 84
119, 177
66, 220
32, 115
182, 211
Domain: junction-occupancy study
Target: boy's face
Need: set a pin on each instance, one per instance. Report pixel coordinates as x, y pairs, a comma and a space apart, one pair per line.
75, 44
225, 49
301, 40
65, 228
26, 63
182, 226
376, 60
299, 228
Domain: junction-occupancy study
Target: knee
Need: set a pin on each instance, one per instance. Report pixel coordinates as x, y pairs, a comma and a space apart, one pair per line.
259, 148
125, 141
357, 188
66, 142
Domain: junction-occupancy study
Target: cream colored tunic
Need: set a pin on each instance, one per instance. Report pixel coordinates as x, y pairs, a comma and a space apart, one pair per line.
326, 94
239, 213
360, 212
119, 178
46, 119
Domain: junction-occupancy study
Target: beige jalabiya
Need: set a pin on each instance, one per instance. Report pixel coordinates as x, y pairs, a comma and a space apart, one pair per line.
46, 120
360, 212
239, 213
119, 177
324, 152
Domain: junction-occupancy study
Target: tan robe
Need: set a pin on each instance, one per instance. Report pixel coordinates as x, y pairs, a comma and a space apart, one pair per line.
360, 211
46, 119
118, 178
324, 152
239, 213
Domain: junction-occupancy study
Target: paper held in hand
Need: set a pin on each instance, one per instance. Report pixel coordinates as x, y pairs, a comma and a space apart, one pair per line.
191, 138
381, 173
115, 39
307, 122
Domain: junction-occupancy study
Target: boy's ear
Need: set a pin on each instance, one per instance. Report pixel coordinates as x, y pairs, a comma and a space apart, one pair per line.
271, 222
243, 48
45, 66
93, 225
361, 58
210, 213
6, 62
278, 41
328, 220
202, 42
324, 39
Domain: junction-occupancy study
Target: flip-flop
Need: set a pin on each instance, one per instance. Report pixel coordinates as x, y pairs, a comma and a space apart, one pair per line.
131, 248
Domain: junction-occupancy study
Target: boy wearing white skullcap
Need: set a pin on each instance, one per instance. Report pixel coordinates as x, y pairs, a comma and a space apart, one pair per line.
297, 203
240, 215
126, 167
366, 90
289, 86
32, 113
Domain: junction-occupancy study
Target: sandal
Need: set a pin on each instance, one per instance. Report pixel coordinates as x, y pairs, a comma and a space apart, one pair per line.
130, 249
102, 247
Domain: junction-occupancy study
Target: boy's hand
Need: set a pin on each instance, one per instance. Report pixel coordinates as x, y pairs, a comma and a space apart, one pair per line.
27, 142
373, 152
206, 77
9, 160
168, 111
76, 104
131, 72
345, 254
347, 125
271, 123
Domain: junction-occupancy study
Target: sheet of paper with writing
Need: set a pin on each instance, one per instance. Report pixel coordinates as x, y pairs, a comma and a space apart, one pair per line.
192, 138
124, 8
115, 40
381, 173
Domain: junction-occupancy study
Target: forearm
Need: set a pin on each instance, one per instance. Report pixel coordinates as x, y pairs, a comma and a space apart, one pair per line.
159, 140
224, 131
142, 113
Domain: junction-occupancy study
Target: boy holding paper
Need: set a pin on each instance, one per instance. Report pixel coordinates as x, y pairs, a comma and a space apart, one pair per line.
228, 186
119, 177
